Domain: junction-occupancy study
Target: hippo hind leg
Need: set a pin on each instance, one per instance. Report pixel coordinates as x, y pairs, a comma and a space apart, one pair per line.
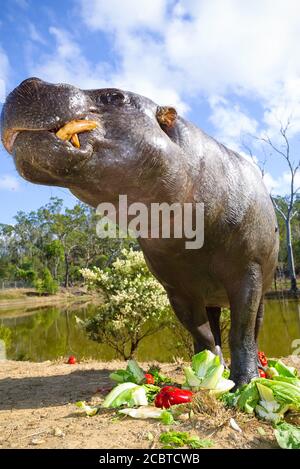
194, 319
214, 314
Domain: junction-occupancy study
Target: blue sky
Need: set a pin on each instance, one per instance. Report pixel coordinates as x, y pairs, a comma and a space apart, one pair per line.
231, 67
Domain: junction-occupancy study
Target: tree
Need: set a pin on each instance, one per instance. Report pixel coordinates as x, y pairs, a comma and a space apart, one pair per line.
46, 284
135, 304
285, 206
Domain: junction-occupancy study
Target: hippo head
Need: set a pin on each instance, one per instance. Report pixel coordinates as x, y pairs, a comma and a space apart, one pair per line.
132, 145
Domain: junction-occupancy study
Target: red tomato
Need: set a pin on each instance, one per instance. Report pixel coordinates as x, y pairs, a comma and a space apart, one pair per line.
261, 373
262, 358
149, 378
71, 360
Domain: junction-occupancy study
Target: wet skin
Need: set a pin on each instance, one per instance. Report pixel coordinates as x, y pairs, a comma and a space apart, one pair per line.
131, 152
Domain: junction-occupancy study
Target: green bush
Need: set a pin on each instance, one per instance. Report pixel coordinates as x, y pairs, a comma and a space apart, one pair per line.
135, 304
46, 284
26, 275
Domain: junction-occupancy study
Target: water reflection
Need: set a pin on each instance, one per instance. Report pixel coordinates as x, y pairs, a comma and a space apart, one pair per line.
48, 333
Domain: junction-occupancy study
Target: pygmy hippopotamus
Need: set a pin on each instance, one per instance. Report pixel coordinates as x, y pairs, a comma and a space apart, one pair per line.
153, 155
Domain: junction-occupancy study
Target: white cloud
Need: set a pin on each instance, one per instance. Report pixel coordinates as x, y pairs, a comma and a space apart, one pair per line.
10, 183
280, 185
223, 51
119, 15
35, 35
208, 48
4, 73
139, 72
230, 122
67, 64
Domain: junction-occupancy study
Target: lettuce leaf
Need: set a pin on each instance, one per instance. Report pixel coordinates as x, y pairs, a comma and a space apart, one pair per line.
126, 394
132, 374
202, 361
208, 373
89, 410
282, 369
283, 392
287, 436
247, 397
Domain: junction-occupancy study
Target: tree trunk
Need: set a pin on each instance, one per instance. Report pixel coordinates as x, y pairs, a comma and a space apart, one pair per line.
291, 264
67, 271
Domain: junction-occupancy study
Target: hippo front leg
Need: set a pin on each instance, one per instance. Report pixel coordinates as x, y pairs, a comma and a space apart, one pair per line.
244, 296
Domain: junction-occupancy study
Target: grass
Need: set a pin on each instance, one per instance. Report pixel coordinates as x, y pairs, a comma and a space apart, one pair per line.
13, 294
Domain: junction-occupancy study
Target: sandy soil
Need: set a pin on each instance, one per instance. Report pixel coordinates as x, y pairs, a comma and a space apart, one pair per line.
37, 410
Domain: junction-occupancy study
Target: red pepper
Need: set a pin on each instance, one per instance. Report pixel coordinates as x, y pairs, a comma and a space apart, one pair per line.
170, 395
262, 358
261, 373
149, 378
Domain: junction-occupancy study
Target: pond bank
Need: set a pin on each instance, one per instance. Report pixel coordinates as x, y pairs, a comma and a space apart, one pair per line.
38, 411
22, 298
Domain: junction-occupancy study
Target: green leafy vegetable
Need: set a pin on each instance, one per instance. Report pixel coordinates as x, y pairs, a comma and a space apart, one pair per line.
132, 374
136, 371
294, 381
167, 417
159, 378
126, 394
226, 373
247, 398
144, 412
282, 369
269, 398
121, 376
284, 393
148, 412
151, 391
89, 410
207, 372
173, 439
192, 381
287, 436
268, 408
202, 361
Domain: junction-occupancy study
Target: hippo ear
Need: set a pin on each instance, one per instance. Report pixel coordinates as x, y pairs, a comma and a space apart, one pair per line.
166, 116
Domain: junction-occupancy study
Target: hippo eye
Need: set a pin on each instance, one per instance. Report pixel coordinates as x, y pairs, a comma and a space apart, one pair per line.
113, 97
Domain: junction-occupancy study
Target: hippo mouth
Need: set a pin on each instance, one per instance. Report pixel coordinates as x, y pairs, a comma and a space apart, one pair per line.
54, 155
67, 133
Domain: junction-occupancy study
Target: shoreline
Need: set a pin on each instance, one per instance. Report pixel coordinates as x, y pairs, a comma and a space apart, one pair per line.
26, 298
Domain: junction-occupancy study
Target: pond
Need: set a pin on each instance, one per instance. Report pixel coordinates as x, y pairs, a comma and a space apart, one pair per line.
51, 332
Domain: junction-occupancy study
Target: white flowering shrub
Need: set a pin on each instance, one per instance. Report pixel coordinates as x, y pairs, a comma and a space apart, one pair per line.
135, 304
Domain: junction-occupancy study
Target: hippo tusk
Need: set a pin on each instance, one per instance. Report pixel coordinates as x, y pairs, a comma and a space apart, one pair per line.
70, 130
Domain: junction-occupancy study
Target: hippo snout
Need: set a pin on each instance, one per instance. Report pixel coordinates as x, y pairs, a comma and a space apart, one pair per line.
37, 105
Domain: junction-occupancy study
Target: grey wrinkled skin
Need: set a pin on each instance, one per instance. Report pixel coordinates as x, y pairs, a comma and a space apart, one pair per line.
131, 153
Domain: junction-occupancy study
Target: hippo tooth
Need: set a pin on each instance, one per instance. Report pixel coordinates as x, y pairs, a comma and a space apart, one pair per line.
75, 127
75, 141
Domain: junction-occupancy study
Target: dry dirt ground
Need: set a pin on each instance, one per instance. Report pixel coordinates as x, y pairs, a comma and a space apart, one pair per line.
37, 410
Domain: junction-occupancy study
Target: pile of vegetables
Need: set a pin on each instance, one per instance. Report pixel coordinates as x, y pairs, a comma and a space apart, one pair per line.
152, 395
270, 399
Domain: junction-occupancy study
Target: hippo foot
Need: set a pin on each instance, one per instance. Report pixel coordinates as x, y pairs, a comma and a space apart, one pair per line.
240, 379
